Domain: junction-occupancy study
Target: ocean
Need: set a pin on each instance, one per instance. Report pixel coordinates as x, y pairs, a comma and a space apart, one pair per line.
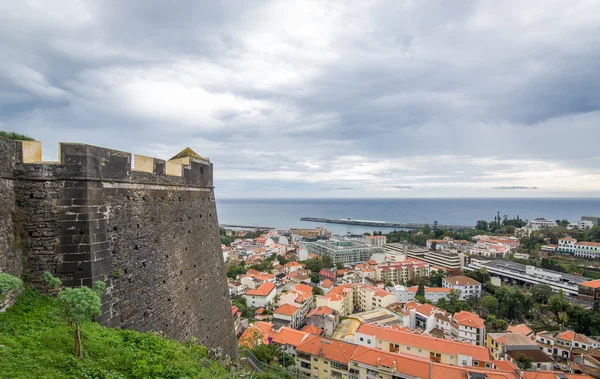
286, 213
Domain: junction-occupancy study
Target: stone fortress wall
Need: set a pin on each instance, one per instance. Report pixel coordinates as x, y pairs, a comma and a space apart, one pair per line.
148, 229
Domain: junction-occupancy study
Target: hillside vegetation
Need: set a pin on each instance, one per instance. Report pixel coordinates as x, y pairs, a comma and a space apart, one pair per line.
37, 342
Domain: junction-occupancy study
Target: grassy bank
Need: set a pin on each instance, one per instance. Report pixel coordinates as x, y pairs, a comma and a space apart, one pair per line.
37, 342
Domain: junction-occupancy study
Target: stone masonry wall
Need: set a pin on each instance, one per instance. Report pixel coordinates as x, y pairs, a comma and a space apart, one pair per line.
152, 237
11, 243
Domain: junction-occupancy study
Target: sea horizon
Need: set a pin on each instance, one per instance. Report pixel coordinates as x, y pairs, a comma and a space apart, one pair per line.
285, 213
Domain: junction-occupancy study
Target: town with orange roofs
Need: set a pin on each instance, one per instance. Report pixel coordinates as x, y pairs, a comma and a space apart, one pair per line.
362, 306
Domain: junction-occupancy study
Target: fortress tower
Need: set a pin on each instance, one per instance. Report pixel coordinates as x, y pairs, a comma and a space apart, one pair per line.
146, 226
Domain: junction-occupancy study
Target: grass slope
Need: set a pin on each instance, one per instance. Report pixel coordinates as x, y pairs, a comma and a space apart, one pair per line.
36, 342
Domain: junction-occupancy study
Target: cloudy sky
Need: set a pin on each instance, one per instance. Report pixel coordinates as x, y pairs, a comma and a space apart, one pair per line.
320, 98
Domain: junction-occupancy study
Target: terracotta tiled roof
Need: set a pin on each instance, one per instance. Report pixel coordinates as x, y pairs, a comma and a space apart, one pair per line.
289, 336
520, 329
286, 309
324, 310
469, 319
328, 348
479, 353
312, 329
567, 335
591, 283
263, 290
552, 375
257, 333
327, 283
592, 244
461, 280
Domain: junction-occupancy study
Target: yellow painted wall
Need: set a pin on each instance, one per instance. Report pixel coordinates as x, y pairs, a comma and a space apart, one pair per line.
143, 163
32, 151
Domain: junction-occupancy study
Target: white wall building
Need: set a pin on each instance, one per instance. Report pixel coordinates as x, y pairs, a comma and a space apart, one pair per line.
262, 296
468, 287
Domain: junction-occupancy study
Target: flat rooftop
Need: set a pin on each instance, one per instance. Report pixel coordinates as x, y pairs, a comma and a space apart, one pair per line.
521, 269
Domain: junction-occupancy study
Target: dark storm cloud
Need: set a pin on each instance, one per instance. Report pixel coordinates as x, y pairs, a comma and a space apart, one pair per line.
453, 98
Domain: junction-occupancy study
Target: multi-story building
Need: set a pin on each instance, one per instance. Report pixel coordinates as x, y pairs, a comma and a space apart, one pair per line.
540, 223
448, 259
468, 287
447, 242
437, 350
578, 249
370, 298
522, 274
287, 315
375, 240
311, 233
402, 272
343, 251
468, 327
564, 345
324, 358
262, 296
300, 296
432, 294
288, 339
590, 290
508, 346
325, 318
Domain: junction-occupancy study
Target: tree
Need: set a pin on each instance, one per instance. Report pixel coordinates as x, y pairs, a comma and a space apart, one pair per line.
512, 302
339, 266
327, 261
541, 293
426, 229
524, 361
490, 303
482, 225
421, 290
495, 324
314, 265
317, 291
9, 283
80, 304
558, 304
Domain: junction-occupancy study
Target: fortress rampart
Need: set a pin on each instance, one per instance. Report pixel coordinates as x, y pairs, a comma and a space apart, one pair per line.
146, 226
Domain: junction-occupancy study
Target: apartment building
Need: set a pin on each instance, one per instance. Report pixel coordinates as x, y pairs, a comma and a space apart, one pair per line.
325, 318
435, 349
287, 315
342, 251
324, 358
370, 298
402, 272
468, 287
448, 259
468, 327
375, 240
564, 345
445, 243
299, 296
509, 346
407, 294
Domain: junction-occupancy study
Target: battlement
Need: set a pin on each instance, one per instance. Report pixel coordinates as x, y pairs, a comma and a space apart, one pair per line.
93, 162
145, 226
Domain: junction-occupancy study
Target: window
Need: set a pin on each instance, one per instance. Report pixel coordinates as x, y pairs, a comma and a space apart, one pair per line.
315, 360
408, 348
475, 363
361, 339
368, 341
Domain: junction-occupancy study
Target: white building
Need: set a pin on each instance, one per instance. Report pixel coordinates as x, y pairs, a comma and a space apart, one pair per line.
540, 223
468, 287
262, 296
407, 294
578, 249
375, 240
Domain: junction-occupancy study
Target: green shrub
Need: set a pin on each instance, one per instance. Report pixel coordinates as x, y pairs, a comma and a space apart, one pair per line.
9, 283
15, 136
37, 342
